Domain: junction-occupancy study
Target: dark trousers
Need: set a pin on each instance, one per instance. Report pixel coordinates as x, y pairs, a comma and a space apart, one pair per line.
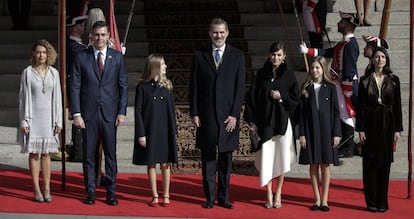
77, 154
19, 12
223, 165
376, 178
106, 131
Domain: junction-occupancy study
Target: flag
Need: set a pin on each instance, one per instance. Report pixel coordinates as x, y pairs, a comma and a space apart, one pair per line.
113, 29
84, 8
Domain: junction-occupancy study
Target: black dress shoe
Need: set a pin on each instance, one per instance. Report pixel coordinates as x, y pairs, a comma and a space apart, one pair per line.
111, 199
325, 208
315, 207
90, 198
382, 209
208, 205
372, 209
227, 205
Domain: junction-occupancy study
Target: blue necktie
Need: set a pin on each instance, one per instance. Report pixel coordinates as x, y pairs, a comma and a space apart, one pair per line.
217, 55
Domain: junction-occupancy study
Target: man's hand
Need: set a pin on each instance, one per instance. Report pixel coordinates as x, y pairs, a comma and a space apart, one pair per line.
120, 120
196, 121
231, 123
78, 122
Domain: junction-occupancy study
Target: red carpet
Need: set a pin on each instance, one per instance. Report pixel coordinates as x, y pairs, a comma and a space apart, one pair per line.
346, 198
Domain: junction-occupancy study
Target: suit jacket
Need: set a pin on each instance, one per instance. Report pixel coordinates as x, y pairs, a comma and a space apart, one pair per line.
90, 92
215, 94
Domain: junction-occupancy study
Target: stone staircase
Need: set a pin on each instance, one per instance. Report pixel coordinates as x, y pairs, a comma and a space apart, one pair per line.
157, 26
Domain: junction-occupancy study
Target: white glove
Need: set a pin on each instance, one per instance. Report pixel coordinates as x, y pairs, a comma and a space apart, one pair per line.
303, 48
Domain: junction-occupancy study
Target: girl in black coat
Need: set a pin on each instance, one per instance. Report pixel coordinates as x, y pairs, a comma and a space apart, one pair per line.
155, 125
319, 128
274, 97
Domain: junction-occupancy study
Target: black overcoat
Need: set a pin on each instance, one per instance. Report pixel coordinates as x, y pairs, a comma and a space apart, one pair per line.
155, 119
378, 120
215, 94
271, 116
319, 126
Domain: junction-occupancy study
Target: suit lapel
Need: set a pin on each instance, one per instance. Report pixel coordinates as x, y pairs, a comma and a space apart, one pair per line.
207, 55
94, 63
108, 60
226, 56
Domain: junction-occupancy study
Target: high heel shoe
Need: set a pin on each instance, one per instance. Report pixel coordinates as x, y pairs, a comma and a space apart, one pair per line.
166, 202
277, 205
38, 197
268, 205
154, 202
47, 196
278, 201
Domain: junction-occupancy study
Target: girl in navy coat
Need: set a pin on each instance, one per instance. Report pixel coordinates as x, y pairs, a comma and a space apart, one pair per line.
155, 126
319, 128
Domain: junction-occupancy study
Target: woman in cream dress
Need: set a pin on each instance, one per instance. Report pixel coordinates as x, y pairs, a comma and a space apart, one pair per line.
274, 98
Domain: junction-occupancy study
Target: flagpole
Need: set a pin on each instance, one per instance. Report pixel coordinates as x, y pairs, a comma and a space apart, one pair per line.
410, 103
62, 69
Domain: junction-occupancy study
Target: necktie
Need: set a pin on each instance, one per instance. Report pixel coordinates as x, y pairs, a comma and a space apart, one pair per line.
217, 55
100, 64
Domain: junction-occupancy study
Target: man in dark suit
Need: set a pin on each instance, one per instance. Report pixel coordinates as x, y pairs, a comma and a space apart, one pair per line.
216, 97
99, 90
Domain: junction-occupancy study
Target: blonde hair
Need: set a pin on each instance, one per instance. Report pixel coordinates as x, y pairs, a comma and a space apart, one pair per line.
94, 15
50, 52
153, 69
325, 68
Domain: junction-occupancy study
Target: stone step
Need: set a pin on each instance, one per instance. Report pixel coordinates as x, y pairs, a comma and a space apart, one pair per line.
12, 51
279, 32
16, 66
175, 18
167, 6
50, 22
377, 5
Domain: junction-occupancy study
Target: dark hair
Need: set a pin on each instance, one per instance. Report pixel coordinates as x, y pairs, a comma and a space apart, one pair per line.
218, 21
100, 24
387, 69
276, 46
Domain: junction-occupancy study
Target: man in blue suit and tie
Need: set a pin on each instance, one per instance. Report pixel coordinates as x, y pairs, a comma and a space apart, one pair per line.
99, 90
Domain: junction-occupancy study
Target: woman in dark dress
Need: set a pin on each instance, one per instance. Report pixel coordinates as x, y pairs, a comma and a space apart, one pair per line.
155, 125
379, 123
319, 129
